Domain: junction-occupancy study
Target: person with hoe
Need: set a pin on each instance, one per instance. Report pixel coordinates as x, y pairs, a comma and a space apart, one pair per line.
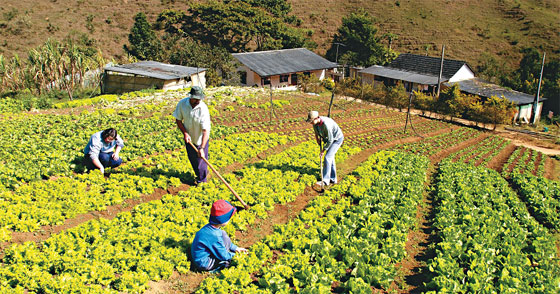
193, 120
329, 133
102, 150
212, 249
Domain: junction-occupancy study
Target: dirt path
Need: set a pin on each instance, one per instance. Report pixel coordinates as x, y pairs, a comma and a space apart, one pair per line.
413, 271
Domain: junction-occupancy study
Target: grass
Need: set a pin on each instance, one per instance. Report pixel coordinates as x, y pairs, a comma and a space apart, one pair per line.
467, 28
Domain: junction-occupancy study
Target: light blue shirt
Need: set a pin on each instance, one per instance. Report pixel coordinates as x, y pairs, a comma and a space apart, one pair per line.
328, 131
96, 145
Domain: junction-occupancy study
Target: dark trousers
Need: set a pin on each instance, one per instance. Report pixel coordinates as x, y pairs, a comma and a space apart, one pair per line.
106, 160
200, 167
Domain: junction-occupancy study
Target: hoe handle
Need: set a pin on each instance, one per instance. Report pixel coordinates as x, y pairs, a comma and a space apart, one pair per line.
223, 180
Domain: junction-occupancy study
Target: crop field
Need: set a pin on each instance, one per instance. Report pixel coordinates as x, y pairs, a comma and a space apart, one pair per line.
435, 208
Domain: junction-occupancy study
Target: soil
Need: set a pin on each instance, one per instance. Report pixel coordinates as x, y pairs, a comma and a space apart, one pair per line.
497, 163
413, 267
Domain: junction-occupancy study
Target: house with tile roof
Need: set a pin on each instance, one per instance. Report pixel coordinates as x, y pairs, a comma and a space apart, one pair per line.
420, 73
278, 69
417, 72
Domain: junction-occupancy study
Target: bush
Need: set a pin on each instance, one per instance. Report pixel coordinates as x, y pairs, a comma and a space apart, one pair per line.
310, 83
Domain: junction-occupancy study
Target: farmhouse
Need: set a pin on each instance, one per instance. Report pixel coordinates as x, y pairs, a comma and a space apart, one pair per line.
417, 72
484, 89
150, 74
279, 68
420, 73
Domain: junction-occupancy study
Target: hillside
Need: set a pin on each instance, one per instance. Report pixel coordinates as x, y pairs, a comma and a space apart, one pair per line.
467, 28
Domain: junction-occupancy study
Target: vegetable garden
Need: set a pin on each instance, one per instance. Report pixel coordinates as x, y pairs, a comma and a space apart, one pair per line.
492, 209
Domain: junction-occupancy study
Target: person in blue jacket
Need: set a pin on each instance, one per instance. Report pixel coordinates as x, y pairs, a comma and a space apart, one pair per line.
212, 248
103, 150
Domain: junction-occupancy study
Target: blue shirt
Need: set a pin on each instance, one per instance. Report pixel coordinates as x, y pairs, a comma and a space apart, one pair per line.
208, 243
96, 145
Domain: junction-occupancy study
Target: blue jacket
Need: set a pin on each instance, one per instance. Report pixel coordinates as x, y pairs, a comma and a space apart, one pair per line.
208, 243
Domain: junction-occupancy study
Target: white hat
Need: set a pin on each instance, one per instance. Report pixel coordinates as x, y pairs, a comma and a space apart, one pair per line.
312, 115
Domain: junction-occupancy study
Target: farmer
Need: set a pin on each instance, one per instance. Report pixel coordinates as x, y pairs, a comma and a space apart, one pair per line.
103, 149
330, 134
212, 248
193, 119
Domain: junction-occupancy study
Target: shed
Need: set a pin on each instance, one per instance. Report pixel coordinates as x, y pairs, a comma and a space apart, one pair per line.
149, 74
482, 88
279, 68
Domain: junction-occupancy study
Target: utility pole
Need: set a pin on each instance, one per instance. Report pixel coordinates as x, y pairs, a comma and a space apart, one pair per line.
440, 71
536, 101
336, 57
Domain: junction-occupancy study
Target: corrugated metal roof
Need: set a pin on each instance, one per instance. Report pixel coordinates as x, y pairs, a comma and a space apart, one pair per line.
400, 75
427, 65
276, 62
483, 88
156, 70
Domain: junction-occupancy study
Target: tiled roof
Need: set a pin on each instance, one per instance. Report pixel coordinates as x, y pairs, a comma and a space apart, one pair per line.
276, 62
156, 70
396, 74
427, 65
483, 88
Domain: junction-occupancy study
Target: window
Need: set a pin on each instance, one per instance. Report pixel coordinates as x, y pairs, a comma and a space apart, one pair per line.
284, 78
294, 79
243, 77
266, 81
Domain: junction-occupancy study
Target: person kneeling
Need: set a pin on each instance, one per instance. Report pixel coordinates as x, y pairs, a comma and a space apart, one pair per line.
103, 149
212, 249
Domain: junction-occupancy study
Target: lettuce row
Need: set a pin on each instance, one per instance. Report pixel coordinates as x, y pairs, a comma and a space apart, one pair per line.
52, 202
373, 208
489, 242
542, 196
149, 243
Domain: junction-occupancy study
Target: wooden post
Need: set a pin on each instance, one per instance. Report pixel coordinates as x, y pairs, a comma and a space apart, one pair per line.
330, 105
440, 71
408, 111
536, 101
271, 105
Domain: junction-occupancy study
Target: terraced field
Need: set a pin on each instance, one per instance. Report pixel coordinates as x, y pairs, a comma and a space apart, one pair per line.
443, 208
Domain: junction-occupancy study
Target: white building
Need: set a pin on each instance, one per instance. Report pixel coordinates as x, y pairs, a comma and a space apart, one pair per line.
420, 73
279, 68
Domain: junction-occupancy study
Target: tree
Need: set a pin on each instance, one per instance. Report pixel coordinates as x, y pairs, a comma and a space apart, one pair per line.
447, 102
220, 65
358, 34
234, 25
397, 97
498, 110
144, 44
